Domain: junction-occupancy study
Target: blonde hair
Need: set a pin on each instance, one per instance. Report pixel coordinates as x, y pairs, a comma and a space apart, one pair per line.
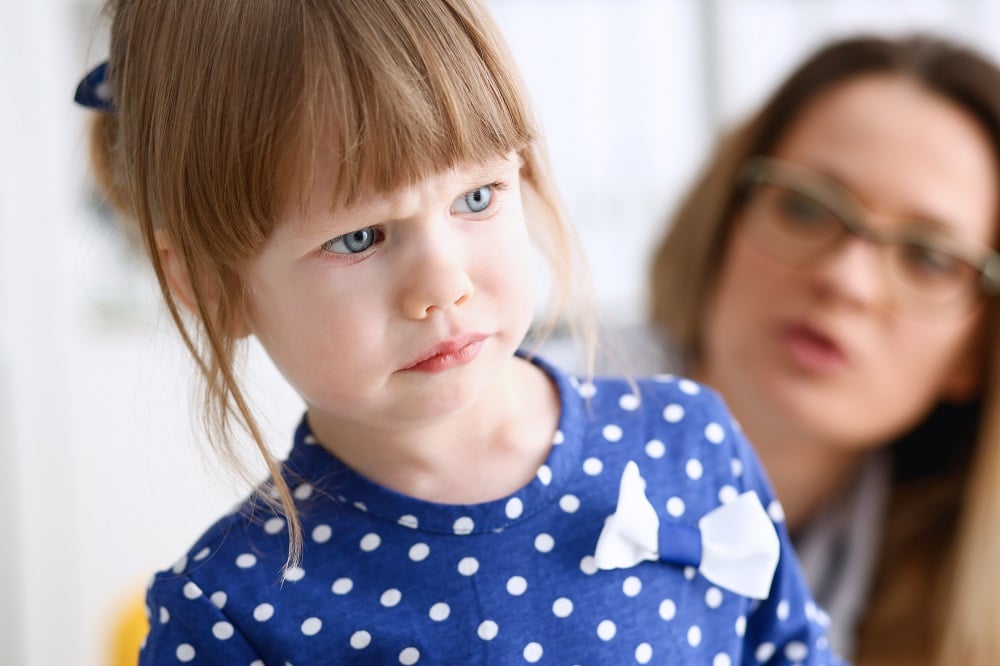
934, 596
219, 106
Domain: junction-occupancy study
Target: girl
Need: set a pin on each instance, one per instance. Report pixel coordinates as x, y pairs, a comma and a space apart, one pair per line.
355, 183
833, 276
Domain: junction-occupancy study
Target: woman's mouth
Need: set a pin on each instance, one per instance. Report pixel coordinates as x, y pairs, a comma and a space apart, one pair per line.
812, 350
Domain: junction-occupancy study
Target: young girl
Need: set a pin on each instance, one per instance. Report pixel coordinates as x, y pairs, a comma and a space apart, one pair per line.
356, 184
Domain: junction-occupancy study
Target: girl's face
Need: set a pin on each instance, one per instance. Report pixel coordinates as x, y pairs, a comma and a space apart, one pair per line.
400, 309
821, 352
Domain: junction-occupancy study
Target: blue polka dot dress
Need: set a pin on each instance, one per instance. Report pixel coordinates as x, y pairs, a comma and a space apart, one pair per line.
388, 579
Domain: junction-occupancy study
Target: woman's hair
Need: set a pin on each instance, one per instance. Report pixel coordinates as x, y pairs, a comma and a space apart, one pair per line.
935, 595
219, 108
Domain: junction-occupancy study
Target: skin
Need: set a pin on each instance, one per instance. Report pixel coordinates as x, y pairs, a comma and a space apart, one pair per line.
404, 351
815, 364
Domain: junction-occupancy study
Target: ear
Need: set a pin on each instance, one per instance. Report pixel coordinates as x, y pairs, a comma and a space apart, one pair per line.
179, 281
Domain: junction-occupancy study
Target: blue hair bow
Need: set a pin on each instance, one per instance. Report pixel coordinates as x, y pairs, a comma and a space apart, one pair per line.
94, 92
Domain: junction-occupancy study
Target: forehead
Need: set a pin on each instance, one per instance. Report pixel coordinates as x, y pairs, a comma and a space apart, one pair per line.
903, 150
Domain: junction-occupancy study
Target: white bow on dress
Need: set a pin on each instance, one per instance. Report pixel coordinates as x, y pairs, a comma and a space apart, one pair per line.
734, 546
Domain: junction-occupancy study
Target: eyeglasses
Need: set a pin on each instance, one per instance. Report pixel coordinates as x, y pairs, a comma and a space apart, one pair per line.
796, 215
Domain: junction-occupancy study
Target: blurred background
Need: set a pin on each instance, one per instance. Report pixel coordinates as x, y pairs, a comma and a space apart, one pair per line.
103, 481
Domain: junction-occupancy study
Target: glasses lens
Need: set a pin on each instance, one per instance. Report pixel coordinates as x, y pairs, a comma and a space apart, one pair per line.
929, 277
790, 224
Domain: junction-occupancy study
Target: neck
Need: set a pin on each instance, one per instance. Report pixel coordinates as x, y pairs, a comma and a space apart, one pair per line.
487, 452
806, 475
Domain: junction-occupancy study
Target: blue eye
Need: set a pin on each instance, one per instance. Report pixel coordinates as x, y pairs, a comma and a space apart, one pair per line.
475, 201
354, 242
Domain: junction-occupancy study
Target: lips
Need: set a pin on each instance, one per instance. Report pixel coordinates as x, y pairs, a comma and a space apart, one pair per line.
457, 351
812, 350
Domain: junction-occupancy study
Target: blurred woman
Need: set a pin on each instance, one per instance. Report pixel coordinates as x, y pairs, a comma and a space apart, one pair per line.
832, 274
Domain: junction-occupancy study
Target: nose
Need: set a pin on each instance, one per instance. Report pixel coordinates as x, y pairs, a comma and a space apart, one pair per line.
435, 278
852, 273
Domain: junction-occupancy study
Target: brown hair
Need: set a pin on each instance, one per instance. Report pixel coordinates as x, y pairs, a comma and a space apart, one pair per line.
219, 106
934, 597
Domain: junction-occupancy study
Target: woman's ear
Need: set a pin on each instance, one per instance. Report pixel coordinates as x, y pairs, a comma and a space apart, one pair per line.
179, 281
966, 379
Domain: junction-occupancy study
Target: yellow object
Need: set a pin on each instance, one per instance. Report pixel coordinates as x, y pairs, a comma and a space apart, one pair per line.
129, 631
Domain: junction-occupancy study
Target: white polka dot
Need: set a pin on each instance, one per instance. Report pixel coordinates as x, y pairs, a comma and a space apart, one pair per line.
516, 585
322, 533
629, 402
391, 597
202, 554
164, 615
741, 625
736, 465
544, 475
360, 640
588, 565
192, 591
303, 492
185, 652
689, 573
655, 449
606, 630
588, 390
694, 469
342, 586
782, 610
370, 542
419, 552
592, 466
219, 599
463, 525
643, 653
668, 609
514, 508
673, 413
180, 565
776, 511
360, 506
544, 543
274, 525
796, 651
294, 574
409, 521
309, 439
715, 433
246, 560
468, 566
257, 662
440, 611
562, 607
713, 597
722, 659
409, 656
612, 433
263, 612
222, 630
688, 386
675, 507
632, 586
694, 636
558, 438
488, 630
569, 503
764, 652
311, 626
728, 494
532, 652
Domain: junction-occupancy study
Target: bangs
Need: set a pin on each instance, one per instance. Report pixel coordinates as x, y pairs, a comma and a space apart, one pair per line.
403, 91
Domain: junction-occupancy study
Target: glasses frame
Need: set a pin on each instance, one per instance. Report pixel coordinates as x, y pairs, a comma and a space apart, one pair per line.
761, 170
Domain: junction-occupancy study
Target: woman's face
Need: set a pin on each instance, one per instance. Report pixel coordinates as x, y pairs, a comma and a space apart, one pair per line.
820, 353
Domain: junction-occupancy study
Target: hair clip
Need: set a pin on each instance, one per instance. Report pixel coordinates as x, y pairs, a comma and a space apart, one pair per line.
94, 91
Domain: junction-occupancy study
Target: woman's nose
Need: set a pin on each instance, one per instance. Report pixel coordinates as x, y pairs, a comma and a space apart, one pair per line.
852, 272
436, 278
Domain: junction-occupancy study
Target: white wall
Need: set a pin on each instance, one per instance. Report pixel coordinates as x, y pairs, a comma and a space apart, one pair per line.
100, 464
